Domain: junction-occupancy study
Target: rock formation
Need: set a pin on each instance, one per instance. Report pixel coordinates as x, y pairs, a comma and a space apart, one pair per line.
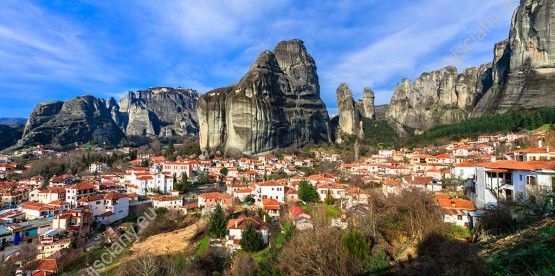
521, 77
367, 108
79, 120
439, 97
276, 104
159, 111
349, 114
525, 76
152, 112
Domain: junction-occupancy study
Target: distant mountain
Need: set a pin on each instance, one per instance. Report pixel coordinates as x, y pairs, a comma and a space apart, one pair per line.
12, 121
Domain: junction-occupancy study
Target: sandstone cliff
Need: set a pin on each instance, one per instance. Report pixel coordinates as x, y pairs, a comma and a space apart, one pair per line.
276, 104
161, 111
152, 112
521, 77
349, 114
79, 120
439, 97
526, 73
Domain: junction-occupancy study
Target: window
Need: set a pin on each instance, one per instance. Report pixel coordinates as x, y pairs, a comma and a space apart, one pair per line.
459, 217
531, 180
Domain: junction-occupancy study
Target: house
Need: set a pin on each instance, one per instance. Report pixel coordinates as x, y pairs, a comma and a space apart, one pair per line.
168, 202
143, 182
209, 200
337, 191
423, 182
46, 195
78, 191
35, 210
504, 180
300, 218
291, 194
269, 189
355, 196
533, 154
390, 187
98, 167
95, 202
236, 226
271, 206
243, 193
180, 167
39, 267
455, 210
117, 208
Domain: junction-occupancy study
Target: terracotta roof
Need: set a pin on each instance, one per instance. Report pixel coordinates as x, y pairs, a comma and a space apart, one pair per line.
297, 211
82, 186
515, 165
242, 222
90, 198
326, 185
447, 202
215, 196
535, 150
270, 204
113, 196
244, 191
166, 198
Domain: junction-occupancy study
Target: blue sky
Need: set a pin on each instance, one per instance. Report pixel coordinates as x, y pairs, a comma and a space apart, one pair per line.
57, 50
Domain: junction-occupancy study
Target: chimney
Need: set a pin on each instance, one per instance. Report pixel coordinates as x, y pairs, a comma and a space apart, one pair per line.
264, 216
540, 144
235, 223
412, 177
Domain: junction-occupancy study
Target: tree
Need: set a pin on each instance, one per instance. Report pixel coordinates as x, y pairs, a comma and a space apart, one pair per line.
145, 163
182, 185
249, 199
356, 243
329, 198
250, 239
203, 178
307, 192
170, 151
218, 222
224, 171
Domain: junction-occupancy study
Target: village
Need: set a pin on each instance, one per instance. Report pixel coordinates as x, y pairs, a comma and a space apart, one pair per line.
77, 212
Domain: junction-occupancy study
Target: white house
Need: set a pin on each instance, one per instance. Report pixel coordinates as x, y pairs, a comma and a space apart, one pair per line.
269, 189
98, 167
337, 191
168, 202
236, 226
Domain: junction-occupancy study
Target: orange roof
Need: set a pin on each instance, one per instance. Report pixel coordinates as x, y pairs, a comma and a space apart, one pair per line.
244, 191
535, 150
465, 165
113, 196
166, 198
447, 202
515, 165
326, 185
82, 186
215, 196
89, 198
240, 223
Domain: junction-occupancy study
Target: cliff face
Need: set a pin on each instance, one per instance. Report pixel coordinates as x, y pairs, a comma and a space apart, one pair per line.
276, 104
521, 77
439, 97
526, 73
152, 112
349, 114
160, 111
79, 120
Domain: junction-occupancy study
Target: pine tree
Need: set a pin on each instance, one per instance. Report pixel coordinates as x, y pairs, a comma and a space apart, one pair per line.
218, 222
250, 239
307, 192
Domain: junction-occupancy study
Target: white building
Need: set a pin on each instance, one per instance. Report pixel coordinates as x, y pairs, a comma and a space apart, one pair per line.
154, 181
98, 167
168, 202
269, 189
236, 226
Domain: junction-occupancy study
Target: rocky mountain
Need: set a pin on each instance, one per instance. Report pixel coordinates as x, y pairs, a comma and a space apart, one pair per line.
525, 76
12, 121
276, 104
521, 76
439, 97
366, 105
9, 134
78, 120
349, 115
159, 111
153, 112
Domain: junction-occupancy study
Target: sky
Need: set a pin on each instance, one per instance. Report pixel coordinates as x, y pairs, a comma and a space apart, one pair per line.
58, 50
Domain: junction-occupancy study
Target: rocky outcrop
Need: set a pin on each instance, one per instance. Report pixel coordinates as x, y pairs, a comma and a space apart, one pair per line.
521, 77
525, 76
366, 105
152, 112
439, 97
276, 104
349, 114
78, 120
161, 111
